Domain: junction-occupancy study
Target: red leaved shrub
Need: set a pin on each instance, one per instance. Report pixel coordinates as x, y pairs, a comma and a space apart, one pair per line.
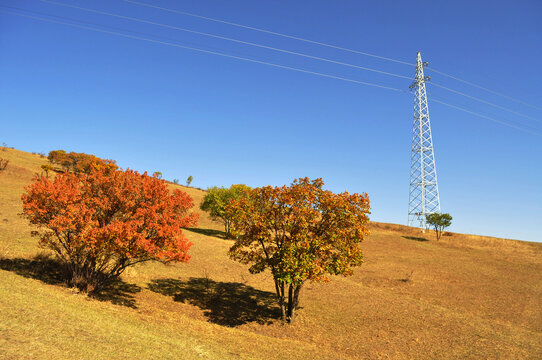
101, 222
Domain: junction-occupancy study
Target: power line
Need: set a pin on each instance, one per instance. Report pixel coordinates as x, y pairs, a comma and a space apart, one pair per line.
485, 117
277, 49
484, 88
268, 32
329, 46
111, 27
198, 49
167, 43
224, 38
485, 102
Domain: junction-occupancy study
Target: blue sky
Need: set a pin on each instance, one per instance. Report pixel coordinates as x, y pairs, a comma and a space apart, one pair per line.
224, 121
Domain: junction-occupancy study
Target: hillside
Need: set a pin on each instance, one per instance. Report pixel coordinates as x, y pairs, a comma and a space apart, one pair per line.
465, 296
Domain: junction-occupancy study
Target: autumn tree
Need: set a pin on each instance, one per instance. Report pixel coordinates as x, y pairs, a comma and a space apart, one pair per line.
299, 232
59, 157
189, 180
217, 198
79, 162
101, 222
439, 222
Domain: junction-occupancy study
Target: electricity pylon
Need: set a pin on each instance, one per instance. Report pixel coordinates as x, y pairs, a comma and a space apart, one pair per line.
424, 198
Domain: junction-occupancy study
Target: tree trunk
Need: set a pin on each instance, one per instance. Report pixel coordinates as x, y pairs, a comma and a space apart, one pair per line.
297, 291
227, 228
288, 306
279, 287
291, 308
293, 301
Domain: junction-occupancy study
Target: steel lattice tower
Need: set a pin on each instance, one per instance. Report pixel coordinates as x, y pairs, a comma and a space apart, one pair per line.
424, 198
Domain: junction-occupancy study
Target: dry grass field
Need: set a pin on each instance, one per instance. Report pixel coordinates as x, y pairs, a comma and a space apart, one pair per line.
464, 297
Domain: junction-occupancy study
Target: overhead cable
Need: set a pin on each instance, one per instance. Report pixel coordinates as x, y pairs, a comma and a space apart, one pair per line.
268, 32
484, 101
196, 49
432, 99
277, 49
484, 88
329, 46
168, 43
225, 38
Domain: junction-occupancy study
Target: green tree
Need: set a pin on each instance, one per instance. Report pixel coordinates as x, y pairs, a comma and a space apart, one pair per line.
189, 180
299, 232
217, 198
439, 222
47, 168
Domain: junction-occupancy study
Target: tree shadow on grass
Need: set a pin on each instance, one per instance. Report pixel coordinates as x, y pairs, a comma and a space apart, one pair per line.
119, 293
414, 238
224, 303
209, 232
51, 271
42, 268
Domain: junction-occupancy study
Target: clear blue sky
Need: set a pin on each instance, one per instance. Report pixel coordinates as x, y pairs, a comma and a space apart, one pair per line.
160, 108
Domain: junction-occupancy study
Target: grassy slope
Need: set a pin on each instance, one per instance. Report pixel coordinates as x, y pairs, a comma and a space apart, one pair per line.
464, 297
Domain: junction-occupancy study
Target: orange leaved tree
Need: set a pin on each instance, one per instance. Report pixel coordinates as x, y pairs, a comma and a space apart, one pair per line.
300, 232
79, 162
101, 222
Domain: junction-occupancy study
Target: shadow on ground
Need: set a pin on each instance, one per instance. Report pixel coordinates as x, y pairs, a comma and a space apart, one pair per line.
224, 303
415, 238
50, 271
119, 293
45, 269
208, 232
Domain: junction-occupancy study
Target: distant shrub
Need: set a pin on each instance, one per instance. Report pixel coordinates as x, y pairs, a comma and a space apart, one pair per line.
408, 277
447, 233
157, 174
439, 222
189, 180
176, 181
3, 163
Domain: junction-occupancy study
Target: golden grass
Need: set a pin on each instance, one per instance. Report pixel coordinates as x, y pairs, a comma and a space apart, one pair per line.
465, 296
